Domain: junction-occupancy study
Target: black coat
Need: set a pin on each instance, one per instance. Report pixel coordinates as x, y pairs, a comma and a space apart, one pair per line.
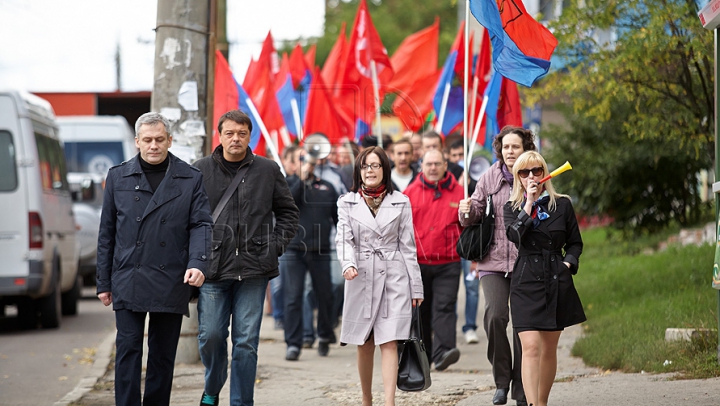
246, 244
542, 293
317, 201
148, 240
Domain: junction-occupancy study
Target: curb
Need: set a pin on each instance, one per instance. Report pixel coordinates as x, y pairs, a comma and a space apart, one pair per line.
97, 371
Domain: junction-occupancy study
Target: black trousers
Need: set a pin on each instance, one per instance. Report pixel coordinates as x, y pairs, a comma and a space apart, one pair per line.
163, 337
437, 311
296, 264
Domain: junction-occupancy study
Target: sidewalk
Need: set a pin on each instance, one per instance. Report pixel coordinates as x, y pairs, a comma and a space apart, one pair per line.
333, 380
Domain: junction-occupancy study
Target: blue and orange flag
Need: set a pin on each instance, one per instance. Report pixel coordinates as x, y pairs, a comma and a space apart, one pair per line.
522, 47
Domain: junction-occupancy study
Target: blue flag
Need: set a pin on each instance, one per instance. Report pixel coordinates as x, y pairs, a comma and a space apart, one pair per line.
522, 47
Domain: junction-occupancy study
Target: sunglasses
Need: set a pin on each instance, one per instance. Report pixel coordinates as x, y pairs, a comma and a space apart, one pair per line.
524, 173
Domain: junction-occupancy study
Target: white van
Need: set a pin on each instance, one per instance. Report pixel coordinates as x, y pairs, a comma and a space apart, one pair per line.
38, 250
93, 144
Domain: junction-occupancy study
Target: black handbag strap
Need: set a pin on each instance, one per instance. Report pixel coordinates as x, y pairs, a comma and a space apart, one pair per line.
229, 192
416, 326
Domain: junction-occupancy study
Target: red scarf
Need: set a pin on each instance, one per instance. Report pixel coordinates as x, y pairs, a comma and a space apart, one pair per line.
372, 192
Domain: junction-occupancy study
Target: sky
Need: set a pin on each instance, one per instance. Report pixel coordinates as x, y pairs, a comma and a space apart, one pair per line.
70, 45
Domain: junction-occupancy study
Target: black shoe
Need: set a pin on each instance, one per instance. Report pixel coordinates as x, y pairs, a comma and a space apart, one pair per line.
450, 357
500, 397
208, 400
521, 403
293, 353
323, 349
308, 343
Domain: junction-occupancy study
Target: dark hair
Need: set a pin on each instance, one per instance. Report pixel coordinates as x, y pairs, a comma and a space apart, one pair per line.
360, 160
289, 151
527, 136
237, 116
432, 134
457, 144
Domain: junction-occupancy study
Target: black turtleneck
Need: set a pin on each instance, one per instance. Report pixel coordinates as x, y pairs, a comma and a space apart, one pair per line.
154, 173
233, 167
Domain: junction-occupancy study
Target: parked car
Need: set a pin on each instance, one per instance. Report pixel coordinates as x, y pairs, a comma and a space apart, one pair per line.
38, 246
93, 144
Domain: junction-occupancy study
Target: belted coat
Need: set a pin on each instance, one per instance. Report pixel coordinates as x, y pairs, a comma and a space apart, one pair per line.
542, 293
148, 240
382, 249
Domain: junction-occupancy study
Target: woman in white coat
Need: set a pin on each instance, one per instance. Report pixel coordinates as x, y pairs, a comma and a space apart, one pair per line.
376, 247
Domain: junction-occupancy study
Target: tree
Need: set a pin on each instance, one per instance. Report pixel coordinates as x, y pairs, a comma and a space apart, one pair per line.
638, 90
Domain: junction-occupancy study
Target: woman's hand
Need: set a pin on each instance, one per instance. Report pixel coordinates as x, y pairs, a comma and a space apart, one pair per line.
350, 273
464, 205
416, 302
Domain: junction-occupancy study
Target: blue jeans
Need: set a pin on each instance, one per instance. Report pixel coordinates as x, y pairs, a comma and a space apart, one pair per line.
276, 297
472, 297
243, 300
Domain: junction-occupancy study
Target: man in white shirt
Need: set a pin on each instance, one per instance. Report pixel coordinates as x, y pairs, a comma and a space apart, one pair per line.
403, 173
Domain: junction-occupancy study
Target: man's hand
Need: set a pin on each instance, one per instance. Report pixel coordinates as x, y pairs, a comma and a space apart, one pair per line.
194, 277
105, 298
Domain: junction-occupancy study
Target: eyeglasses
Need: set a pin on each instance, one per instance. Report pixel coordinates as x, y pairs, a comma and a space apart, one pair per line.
524, 173
375, 166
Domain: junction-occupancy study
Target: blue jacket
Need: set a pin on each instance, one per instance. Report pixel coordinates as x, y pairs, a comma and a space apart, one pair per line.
148, 240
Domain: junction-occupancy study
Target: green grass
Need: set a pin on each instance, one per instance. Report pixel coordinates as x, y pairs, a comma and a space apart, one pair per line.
630, 298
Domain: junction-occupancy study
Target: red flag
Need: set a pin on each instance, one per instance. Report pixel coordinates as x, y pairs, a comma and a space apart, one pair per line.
482, 74
413, 107
415, 59
267, 61
459, 46
364, 49
283, 72
509, 110
298, 68
332, 70
226, 96
310, 57
322, 117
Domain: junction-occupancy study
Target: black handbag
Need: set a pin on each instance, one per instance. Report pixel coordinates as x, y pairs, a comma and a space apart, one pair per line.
475, 239
413, 365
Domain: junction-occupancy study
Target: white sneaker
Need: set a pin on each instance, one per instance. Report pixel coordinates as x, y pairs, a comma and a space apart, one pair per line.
471, 337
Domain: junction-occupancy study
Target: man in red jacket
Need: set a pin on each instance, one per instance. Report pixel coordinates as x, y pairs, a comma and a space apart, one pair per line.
434, 197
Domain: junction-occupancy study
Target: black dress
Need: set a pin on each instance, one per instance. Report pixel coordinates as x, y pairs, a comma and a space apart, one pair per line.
542, 293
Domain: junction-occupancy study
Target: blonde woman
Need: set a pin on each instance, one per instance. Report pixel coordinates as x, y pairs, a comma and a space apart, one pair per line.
543, 299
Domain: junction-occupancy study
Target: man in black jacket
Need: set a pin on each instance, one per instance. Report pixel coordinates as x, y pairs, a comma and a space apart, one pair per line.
309, 251
153, 245
245, 250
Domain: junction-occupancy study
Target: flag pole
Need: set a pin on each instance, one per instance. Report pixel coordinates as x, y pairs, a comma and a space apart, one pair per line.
478, 123
376, 93
473, 103
443, 106
266, 135
296, 117
465, 100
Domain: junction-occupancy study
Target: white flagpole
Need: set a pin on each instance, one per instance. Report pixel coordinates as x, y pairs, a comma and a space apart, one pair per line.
265, 134
478, 123
443, 106
465, 98
376, 92
296, 117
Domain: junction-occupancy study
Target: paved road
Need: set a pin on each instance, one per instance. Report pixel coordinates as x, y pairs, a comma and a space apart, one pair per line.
38, 367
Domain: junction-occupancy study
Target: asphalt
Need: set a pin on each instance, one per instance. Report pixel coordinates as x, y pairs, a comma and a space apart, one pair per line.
333, 380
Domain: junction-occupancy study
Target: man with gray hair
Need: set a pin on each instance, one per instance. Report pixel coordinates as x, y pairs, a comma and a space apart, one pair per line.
153, 248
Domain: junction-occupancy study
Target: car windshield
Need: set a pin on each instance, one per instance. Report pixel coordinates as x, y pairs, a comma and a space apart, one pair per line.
8, 168
93, 157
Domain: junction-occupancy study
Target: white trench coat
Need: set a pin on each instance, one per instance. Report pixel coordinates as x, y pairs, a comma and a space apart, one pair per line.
383, 251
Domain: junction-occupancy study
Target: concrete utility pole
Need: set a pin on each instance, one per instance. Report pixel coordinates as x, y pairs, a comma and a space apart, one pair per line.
182, 40
181, 67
